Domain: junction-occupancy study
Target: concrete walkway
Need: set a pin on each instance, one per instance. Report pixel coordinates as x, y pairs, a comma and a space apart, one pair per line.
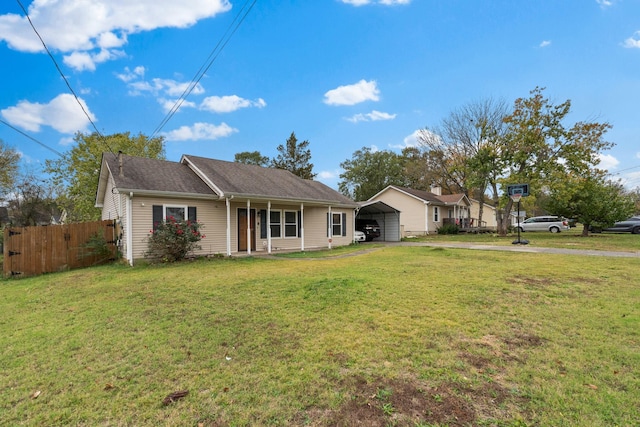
521, 248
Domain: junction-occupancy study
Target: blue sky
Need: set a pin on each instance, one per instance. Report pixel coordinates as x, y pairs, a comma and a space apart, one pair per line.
342, 74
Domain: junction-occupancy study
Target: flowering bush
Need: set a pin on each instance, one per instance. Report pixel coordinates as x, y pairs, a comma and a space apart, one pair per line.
172, 240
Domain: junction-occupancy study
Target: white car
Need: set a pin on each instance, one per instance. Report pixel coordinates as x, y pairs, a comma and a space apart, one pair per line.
554, 224
359, 236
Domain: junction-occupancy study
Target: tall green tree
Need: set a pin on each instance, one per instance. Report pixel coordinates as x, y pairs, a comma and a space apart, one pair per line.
294, 157
252, 158
78, 169
538, 146
368, 172
9, 160
592, 201
33, 201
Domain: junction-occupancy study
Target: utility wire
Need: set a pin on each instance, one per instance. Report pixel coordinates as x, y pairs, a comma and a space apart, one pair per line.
73, 92
32, 138
213, 55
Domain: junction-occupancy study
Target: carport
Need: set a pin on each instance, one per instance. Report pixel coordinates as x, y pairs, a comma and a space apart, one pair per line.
388, 219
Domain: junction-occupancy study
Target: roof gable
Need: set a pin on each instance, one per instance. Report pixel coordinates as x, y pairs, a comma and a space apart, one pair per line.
239, 179
426, 196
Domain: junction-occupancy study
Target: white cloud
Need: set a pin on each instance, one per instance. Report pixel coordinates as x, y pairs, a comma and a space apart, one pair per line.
91, 27
638, 154
633, 41
605, 3
81, 61
228, 104
158, 86
608, 162
130, 75
168, 104
383, 2
200, 131
353, 94
371, 117
545, 43
328, 175
62, 114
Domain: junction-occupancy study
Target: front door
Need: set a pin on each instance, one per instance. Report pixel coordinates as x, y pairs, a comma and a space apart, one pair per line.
243, 224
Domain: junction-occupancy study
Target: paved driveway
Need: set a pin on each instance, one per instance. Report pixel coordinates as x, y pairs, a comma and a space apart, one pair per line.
522, 248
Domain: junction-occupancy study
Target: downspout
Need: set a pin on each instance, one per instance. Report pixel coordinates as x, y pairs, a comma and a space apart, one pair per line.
302, 227
228, 226
129, 231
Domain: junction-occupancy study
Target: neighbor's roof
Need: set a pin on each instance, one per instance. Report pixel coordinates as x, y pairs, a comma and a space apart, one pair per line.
447, 199
242, 180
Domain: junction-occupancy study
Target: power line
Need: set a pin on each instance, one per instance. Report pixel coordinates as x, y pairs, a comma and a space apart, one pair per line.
31, 138
73, 92
213, 55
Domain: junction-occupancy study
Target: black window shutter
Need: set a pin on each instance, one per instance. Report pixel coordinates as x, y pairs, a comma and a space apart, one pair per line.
299, 223
263, 224
344, 224
328, 224
191, 215
157, 216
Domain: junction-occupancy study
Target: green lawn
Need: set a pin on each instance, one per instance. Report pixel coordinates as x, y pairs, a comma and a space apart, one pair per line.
571, 239
405, 336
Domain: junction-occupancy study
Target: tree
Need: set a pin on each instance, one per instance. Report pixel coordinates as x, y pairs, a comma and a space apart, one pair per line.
252, 158
369, 171
33, 202
295, 158
538, 149
592, 201
9, 159
464, 148
78, 169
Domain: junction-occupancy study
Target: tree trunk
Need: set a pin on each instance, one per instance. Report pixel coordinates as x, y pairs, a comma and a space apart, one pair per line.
585, 230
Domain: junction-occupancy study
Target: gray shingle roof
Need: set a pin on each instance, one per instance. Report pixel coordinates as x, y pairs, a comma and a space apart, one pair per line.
446, 199
243, 180
145, 174
228, 179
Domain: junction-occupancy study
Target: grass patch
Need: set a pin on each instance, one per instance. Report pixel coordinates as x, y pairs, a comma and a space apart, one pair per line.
400, 336
571, 239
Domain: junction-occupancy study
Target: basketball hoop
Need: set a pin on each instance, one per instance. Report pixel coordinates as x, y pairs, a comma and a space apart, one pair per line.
516, 197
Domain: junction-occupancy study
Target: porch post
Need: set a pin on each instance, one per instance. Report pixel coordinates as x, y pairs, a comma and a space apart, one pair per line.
129, 228
330, 230
228, 227
249, 227
302, 227
269, 226
426, 217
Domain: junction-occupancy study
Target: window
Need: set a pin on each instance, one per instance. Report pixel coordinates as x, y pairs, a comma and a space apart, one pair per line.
162, 212
275, 224
290, 224
436, 214
338, 224
176, 212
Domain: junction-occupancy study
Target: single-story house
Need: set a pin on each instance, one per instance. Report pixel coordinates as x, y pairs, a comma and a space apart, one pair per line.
242, 208
489, 217
424, 212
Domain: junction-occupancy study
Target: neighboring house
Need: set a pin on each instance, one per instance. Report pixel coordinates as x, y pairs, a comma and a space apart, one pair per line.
517, 217
424, 212
242, 208
489, 218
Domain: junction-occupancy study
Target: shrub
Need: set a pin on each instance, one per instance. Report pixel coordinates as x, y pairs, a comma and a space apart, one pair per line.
172, 240
449, 229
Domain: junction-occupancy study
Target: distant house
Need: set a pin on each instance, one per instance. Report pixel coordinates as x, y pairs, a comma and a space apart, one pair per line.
424, 212
243, 208
489, 217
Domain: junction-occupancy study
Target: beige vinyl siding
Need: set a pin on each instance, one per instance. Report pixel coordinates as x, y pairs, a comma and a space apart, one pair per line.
112, 204
211, 214
488, 213
413, 211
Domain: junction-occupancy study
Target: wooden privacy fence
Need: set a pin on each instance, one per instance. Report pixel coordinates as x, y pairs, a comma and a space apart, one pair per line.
29, 251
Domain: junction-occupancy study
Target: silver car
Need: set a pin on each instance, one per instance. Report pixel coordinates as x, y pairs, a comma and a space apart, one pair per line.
551, 223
